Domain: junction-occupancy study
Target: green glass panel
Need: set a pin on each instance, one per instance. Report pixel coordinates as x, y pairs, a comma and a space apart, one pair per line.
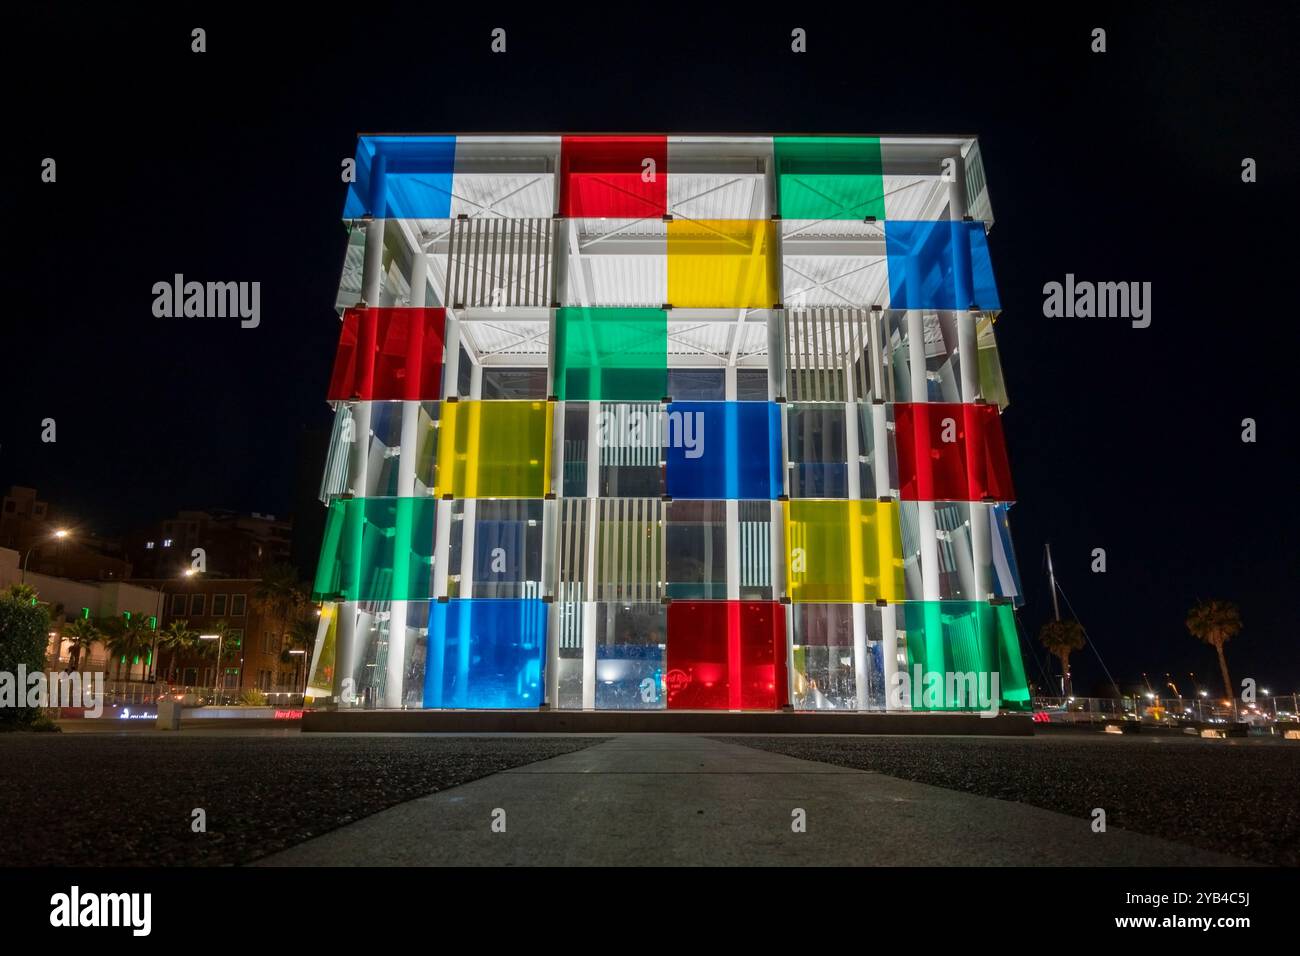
956, 649
377, 549
611, 354
829, 177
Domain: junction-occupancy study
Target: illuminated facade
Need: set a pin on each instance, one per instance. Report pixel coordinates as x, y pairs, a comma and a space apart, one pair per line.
667, 422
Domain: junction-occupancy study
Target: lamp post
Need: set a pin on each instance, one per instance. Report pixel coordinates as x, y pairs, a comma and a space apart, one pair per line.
296, 652
220, 639
58, 535
162, 606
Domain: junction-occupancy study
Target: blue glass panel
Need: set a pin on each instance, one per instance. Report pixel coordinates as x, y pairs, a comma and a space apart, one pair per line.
1006, 575
485, 653
630, 677
939, 265
402, 177
724, 450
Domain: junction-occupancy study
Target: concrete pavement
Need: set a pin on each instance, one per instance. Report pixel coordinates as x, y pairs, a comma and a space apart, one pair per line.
652, 799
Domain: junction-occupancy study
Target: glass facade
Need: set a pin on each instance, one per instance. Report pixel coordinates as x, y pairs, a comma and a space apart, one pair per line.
660, 422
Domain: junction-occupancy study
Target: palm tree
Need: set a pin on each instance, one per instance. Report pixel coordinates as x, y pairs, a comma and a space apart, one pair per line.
81, 635
128, 638
1216, 623
1063, 638
22, 593
279, 592
176, 638
301, 636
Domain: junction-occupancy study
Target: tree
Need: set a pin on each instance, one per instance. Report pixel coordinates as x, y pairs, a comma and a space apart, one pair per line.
129, 637
1063, 638
24, 636
300, 637
279, 592
176, 638
81, 635
22, 593
1216, 623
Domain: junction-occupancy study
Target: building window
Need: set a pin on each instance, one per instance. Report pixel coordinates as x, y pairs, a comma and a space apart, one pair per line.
167, 542
235, 638
178, 603
198, 605
237, 602
148, 545
218, 605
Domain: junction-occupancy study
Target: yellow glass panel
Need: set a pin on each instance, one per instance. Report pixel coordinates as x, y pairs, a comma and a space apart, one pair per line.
722, 264
843, 551
494, 449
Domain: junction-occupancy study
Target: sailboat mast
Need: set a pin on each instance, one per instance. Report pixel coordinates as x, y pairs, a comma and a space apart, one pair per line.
1051, 575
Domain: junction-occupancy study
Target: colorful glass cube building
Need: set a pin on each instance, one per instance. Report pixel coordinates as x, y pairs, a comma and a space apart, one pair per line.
661, 422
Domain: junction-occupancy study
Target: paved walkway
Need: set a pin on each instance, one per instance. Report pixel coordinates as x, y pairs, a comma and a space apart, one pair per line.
685, 800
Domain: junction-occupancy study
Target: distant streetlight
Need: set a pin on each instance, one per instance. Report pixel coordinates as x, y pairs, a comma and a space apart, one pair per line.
57, 535
220, 641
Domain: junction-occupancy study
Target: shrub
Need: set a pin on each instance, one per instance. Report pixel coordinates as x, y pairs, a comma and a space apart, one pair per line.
24, 635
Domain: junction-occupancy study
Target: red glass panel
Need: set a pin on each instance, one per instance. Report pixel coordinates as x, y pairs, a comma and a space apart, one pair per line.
951, 452
389, 355
602, 176
726, 655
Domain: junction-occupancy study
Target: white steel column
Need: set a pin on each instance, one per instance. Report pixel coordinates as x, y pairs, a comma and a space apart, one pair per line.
927, 531
589, 606
371, 282
732, 506
469, 512
395, 667
861, 670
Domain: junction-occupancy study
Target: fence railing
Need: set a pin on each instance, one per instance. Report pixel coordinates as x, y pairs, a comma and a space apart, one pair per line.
1266, 709
143, 694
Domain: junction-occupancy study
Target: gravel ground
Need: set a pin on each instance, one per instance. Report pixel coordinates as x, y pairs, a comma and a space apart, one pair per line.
126, 799
1237, 797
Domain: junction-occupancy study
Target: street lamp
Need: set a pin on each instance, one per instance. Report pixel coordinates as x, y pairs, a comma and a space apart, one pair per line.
296, 652
162, 609
57, 535
219, 638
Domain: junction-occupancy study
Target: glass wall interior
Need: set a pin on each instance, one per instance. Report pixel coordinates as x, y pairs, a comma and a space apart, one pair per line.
975, 558
373, 468
495, 548
817, 449
839, 655
611, 655
649, 422
386, 663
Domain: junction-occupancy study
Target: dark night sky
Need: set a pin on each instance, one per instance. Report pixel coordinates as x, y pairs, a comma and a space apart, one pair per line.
1122, 166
